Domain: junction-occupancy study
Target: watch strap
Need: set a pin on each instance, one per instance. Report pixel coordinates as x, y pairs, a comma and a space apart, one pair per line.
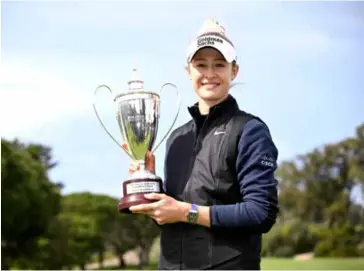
193, 214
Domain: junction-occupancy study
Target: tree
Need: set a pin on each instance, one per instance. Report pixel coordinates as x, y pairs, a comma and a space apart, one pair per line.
124, 232
316, 188
118, 231
30, 200
97, 225
145, 230
54, 247
85, 214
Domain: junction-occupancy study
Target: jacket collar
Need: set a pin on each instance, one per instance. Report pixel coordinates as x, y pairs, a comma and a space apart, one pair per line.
225, 106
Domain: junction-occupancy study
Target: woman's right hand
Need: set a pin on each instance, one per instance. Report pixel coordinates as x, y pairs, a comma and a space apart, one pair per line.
134, 166
149, 164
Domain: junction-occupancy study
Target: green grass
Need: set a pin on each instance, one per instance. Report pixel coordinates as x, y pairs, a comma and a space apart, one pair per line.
290, 264
314, 264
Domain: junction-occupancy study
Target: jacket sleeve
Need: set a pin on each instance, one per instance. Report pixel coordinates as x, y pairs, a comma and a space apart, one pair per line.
255, 167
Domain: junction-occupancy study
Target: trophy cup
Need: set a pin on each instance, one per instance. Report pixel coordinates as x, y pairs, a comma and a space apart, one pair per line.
137, 115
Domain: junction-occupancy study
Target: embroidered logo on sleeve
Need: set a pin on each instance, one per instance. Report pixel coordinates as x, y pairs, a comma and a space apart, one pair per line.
268, 161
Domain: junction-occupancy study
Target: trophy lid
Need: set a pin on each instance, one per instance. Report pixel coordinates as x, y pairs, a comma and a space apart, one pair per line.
136, 87
135, 82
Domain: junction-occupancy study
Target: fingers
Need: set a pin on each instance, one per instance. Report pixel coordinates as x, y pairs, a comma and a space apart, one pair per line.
154, 213
155, 196
144, 208
150, 208
153, 210
150, 162
134, 167
150, 156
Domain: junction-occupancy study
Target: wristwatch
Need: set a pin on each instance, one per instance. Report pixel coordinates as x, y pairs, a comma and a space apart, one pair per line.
193, 214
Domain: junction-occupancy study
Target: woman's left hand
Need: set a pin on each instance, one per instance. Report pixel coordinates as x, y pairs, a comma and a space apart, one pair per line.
165, 210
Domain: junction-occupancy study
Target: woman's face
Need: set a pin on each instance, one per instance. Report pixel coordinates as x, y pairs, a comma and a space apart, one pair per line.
211, 75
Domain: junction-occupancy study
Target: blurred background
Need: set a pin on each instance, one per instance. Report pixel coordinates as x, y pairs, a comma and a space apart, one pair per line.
302, 67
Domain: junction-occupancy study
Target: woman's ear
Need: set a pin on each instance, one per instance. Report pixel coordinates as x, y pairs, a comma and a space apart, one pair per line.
187, 68
234, 71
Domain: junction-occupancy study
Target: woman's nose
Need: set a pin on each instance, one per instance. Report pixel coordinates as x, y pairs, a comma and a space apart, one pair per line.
210, 72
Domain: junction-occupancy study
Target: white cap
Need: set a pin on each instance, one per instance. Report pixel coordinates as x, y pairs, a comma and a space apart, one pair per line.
212, 34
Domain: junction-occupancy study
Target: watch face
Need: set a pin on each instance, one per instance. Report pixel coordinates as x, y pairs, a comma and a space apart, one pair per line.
192, 217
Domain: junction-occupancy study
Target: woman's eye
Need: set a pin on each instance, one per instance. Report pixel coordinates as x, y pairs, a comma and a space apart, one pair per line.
220, 65
201, 65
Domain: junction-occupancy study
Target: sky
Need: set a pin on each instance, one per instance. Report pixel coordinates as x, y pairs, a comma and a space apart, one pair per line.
301, 65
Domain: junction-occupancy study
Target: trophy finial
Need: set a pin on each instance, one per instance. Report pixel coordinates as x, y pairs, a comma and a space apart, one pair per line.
135, 82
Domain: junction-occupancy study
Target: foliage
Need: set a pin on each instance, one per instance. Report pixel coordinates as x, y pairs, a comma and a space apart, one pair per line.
316, 210
29, 199
43, 230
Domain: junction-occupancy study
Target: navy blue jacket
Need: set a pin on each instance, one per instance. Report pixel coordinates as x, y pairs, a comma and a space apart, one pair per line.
255, 166
209, 163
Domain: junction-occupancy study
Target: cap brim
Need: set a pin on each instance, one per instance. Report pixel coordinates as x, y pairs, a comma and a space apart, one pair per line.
226, 56
226, 49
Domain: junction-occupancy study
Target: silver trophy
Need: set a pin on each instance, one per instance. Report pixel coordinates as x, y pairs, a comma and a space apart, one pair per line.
137, 114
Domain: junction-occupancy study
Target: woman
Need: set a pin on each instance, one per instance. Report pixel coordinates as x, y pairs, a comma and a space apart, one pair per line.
220, 191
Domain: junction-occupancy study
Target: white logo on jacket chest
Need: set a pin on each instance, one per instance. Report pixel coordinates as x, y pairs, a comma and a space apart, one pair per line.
219, 132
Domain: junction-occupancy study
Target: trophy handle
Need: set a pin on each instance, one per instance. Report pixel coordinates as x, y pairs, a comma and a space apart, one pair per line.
102, 124
175, 118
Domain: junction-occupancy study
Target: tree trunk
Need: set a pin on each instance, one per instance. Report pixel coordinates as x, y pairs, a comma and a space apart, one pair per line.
143, 257
101, 259
121, 261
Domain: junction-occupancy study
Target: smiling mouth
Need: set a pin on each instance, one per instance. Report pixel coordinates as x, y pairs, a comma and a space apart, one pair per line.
210, 85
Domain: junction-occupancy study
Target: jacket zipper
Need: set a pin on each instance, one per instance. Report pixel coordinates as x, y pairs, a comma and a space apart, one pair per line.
188, 198
197, 139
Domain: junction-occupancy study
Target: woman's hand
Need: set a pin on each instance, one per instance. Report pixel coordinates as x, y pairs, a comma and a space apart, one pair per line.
149, 163
165, 210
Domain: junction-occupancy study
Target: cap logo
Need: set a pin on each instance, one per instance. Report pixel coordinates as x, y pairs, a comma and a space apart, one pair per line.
205, 41
212, 34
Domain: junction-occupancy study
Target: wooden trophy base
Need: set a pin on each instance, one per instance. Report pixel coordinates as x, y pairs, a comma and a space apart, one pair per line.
134, 191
